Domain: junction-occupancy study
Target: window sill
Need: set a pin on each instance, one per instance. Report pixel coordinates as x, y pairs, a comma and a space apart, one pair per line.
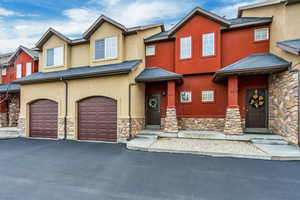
105, 59
213, 56
186, 102
260, 41
54, 66
184, 59
208, 102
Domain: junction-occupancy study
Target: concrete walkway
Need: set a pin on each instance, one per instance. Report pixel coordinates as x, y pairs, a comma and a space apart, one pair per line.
9, 132
255, 146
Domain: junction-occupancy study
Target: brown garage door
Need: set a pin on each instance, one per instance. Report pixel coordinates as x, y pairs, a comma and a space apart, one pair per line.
43, 119
97, 119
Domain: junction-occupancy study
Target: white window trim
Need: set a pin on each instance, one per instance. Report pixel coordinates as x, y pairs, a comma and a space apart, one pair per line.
203, 95
105, 50
255, 31
58, 65
213, 47
152, 53
181, 49
184, 101
4, 72
27, 66
19, 71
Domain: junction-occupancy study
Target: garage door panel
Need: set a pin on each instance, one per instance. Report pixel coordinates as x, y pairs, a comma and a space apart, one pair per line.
43, 119
97, 119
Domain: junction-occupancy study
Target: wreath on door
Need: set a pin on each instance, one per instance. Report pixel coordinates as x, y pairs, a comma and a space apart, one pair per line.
152, 103
257, 100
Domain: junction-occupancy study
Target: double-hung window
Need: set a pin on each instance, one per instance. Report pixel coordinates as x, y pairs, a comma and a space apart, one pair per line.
208, 44
3, 72
185, 47
185, 97
106, 48
55, 57
208, 96
150, 50
28, 69
19, 71
261, 34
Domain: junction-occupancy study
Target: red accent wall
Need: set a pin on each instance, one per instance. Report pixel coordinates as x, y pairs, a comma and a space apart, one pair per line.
195, 27
197, 108
164, 55
239, 43
231, 46
22, 58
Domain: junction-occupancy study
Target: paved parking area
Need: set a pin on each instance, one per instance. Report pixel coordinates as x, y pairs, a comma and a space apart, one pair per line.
70, 170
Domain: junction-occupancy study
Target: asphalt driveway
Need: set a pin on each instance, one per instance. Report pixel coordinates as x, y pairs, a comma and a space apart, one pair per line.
70, 170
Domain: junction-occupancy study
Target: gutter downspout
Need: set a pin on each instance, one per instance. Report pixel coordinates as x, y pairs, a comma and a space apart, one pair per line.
66, 107
298, 71
129, 109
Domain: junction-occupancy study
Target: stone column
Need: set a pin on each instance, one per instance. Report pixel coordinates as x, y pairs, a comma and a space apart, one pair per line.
3, 112
14, 110
233, 122
171, 123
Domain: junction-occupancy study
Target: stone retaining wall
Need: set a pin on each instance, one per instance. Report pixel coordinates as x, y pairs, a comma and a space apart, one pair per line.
204, 124
283, 105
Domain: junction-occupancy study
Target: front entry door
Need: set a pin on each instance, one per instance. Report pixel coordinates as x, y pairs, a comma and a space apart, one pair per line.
256, 108
153, 109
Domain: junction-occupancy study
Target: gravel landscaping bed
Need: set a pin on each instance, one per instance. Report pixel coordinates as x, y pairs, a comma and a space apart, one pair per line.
213, 146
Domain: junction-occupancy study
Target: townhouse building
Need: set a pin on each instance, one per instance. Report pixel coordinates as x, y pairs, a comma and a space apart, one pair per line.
15, 65
205, 73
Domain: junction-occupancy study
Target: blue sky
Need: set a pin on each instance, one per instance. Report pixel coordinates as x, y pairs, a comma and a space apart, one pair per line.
22, 22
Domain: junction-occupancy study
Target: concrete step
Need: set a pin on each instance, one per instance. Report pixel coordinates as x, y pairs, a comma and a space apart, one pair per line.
258, 130
152, 127
150, 132
189, 134
141, 143
271, 142
146, 136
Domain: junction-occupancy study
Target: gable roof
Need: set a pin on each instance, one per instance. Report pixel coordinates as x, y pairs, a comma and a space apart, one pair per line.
234, 23
291, 46
33, 54
49, 33
265, 3
80, 72
200, 11
262, 63
86, 35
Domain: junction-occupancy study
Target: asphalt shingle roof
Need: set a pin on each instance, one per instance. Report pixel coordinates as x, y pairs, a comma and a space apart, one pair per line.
293, 44
81, 72
243, 20
263, 63
157, 74
11, 88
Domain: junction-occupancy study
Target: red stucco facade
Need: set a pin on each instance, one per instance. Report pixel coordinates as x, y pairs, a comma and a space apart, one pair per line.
22, 59
198, 71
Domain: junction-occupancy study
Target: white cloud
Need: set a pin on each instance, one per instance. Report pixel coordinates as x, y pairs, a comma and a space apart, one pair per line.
231, 10
5, 12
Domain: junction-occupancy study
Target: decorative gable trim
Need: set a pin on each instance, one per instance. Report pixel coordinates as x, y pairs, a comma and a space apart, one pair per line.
49, 33
202, 12
87, 34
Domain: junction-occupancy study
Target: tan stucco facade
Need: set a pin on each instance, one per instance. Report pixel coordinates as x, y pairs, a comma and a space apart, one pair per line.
283, 87
130, 47
285, 25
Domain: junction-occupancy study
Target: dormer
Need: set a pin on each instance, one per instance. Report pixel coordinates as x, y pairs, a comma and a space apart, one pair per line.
105, 42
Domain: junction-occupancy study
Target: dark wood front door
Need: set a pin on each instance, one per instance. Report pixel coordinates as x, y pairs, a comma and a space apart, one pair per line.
97, 119
153, 109
43, 119
257, 108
